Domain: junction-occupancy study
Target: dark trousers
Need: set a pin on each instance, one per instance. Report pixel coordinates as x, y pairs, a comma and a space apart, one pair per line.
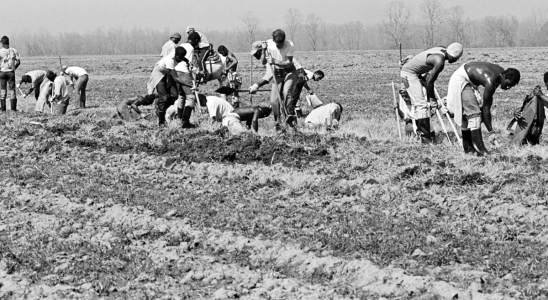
7, 83
167, 94
80, 89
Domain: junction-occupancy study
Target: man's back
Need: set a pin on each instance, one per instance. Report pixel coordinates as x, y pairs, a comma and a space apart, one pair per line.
418, 65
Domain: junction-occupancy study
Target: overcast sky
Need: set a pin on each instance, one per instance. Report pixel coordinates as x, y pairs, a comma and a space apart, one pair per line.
84, 15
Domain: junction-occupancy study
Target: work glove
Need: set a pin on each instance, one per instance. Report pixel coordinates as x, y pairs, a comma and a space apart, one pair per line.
253, 89
264, 45
18, 85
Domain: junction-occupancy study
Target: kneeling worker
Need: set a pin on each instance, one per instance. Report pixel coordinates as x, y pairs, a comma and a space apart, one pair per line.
328, 115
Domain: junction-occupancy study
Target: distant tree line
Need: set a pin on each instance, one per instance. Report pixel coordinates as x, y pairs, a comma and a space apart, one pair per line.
425, 25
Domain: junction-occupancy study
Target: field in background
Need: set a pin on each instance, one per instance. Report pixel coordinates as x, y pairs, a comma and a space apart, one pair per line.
91, 206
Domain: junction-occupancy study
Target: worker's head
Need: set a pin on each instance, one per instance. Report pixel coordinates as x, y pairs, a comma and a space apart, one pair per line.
256, 49
190, 29
340, 107
175, 37
180, 54
5, 40
222, 50
453, 52
509, 78
50, 75
265, 110
318, 75
202, 99
278, 36
26, 79
194, 39
546, 79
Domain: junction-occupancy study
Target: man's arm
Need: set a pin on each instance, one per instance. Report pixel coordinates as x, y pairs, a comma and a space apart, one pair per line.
173, 74
438, 61
282, 64
487, 102
310, 91
233, 61
255, 121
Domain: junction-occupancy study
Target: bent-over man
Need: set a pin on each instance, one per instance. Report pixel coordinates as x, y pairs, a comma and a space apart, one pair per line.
125, 106
60, 92
469, 107
302, 81
35, 79
81, 77
170, 45
45, 94
412, 72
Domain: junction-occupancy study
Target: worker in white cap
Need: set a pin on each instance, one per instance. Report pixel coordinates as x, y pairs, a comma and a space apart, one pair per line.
170, 45
470, 107
413, 76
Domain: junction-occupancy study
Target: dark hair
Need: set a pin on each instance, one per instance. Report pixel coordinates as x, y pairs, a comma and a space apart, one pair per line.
278, 36
339, 106
320, 73
546, 77
5, 40
223, 50
180, 51
50, 75
202, 99
26, 78
512, 74
194, 37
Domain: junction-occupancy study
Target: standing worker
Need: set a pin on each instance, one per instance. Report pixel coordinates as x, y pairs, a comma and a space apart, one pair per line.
186, 89
230, 65
9, 62
35, 79
278, 53
82, 78
170, 45
433, 61
164, 80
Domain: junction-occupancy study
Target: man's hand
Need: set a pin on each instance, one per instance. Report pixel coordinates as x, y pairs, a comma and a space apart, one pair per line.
517, 114
143, 115
264, 45
311, 92
194, 88
18, 85
253, 89
271, 60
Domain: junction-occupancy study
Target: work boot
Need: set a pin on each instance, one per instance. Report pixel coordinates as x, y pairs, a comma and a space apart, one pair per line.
477, 142
13, 104
187, 111
180, 112
161, 118
423, 129
299, 113
467, 142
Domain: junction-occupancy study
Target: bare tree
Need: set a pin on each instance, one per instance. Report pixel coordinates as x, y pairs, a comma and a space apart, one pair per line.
252, 25
530, 29
433, 13
457, 27
312, 27
501, 31
397, 21
293, 22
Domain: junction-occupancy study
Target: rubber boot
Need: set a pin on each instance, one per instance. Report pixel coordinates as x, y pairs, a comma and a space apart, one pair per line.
467, 142
13, 103
3, 104
61, 108
161, 118
187, 111
423, 129
180, 113
477, 142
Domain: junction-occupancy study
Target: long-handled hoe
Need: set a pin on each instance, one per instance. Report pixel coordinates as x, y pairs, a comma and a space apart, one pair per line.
448, 118
280, 103
396, 110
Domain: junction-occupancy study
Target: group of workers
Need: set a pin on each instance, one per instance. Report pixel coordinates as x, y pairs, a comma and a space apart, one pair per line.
173, 85
468, 106
48, 88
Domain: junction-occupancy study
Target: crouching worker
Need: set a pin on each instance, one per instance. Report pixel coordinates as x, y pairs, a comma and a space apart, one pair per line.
469, 107
302, 81
221, 111
528, 121
35, 79
60, 92
328, 115
45, 95
251, 115
125, 107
